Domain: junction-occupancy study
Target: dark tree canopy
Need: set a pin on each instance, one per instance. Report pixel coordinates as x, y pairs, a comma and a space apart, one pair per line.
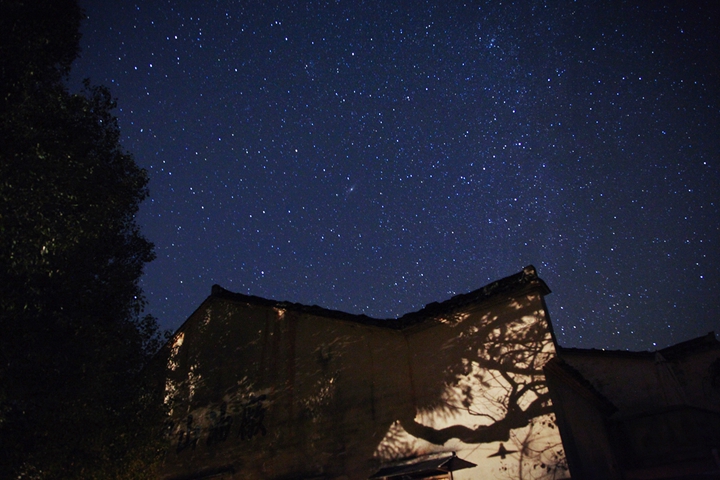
72, 336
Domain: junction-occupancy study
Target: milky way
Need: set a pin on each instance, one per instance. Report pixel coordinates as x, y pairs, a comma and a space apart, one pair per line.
373, 157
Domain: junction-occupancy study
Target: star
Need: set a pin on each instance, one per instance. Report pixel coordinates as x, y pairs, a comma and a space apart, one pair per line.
486, 138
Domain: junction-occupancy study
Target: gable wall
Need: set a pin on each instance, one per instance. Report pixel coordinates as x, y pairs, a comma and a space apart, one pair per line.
280, 393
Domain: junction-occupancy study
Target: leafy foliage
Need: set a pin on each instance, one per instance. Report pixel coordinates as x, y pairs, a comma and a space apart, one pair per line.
72, 336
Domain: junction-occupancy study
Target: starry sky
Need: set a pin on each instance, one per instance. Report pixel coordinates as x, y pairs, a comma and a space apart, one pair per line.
373, 157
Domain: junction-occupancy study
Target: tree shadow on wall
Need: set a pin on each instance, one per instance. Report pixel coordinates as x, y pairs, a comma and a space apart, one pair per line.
492, 388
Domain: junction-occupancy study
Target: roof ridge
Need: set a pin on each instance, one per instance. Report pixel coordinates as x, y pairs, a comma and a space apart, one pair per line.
526, 278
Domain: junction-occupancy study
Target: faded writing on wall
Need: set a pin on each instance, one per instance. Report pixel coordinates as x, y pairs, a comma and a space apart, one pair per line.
218, 425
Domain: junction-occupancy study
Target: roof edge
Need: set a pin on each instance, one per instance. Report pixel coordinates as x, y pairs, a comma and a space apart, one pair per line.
672, 352
524, 281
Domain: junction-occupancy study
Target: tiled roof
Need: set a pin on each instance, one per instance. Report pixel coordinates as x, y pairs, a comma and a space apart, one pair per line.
519, 283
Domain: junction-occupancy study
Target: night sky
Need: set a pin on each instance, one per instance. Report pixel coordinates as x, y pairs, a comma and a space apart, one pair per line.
373, 157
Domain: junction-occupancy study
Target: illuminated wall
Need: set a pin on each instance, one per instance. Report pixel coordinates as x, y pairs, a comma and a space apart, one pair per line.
270, 390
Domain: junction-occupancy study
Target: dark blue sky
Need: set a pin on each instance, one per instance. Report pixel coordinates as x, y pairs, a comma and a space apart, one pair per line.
373, 157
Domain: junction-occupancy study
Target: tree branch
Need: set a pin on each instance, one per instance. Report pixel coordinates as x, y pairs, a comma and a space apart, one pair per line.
496, 432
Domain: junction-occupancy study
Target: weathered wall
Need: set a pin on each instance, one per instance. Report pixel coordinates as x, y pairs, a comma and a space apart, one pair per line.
698, 374
661, 379
582, 418
478, 383
665, 414
260, 391
611, 376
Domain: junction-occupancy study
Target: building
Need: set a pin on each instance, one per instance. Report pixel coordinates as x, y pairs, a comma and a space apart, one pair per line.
640, 415
273, 390
474, 387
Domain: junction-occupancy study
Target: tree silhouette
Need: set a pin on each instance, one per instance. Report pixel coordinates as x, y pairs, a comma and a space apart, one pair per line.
72, 335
